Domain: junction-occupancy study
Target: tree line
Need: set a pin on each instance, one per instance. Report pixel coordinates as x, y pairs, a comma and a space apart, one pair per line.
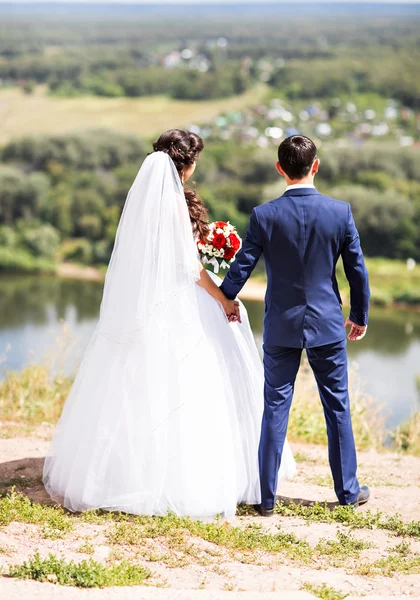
61, 196
302, 58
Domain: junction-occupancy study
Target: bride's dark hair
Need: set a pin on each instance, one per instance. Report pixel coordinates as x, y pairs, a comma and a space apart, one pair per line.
184, 148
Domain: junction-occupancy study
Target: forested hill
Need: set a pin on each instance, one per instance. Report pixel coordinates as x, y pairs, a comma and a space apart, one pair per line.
63, 195
75, 78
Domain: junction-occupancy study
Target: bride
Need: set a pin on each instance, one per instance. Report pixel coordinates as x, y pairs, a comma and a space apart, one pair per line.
166, 408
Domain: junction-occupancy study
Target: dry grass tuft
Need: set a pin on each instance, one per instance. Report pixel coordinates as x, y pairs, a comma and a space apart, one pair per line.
36, 394
307, 422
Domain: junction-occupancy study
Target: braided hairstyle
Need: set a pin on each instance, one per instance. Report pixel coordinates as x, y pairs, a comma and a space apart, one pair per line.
184, 148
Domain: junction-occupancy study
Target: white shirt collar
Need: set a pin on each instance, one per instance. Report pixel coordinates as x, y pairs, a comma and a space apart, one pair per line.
297, 186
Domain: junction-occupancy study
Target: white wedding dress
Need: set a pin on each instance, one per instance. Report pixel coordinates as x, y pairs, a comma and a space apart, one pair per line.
165, 411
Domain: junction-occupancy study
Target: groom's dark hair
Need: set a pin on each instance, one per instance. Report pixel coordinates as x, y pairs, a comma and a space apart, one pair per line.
296, 156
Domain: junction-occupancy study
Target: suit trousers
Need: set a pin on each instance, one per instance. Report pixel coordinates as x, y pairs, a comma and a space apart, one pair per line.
329, 365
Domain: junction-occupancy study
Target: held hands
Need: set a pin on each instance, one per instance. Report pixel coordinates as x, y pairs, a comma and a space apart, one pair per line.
357, 332
231, 308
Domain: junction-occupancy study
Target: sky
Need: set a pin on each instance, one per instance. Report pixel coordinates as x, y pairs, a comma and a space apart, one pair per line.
208, 1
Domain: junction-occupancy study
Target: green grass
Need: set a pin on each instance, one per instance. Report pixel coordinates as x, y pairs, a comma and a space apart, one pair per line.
175, 542
324, 591
86, 574
178, 532
86, 548
403, 548
390, 565
126, 530
400, 559
350, 517
301, 457
253, 537
339, 552
343, 547
247, 542
15, 507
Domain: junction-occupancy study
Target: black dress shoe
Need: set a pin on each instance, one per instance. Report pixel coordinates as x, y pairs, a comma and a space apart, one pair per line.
264, 512
363, 496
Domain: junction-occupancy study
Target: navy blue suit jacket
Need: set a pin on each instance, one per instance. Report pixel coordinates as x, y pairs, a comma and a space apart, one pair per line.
302, 235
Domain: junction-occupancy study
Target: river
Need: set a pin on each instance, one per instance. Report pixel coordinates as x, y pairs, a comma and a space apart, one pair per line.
33, 310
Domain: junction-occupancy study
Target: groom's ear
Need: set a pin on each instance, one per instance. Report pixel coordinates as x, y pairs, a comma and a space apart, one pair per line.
280, 170
315, 166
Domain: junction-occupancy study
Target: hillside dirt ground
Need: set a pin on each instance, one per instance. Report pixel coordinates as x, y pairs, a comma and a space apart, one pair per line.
395, 488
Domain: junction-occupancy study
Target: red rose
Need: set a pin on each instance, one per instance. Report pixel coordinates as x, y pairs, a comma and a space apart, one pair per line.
234, 242
229, 253
219, 241
220, 224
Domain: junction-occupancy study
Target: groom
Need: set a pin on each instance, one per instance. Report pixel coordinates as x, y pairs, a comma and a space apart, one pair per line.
302, 234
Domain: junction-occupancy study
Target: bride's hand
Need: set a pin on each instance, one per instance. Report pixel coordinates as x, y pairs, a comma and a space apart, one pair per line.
231, 308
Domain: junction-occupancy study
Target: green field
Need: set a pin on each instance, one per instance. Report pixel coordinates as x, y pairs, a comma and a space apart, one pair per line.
22, 114
390, 282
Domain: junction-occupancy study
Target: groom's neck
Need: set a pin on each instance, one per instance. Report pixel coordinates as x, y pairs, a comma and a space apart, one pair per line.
308, 180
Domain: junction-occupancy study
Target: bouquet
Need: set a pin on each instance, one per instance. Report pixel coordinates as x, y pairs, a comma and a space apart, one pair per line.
221, 245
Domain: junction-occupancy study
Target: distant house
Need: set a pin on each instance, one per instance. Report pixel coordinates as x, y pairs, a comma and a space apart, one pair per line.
172, 60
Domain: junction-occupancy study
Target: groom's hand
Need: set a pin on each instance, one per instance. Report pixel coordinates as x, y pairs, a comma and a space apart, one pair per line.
357, 332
